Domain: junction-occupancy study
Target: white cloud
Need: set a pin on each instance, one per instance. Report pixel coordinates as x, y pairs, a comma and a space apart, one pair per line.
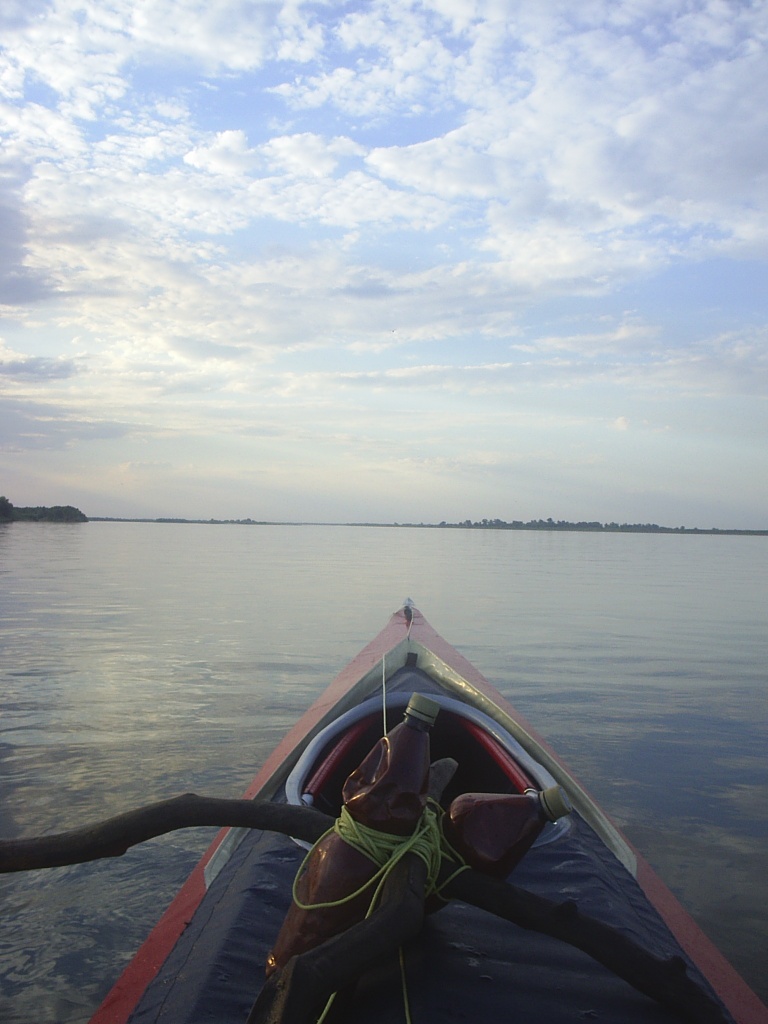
308, 154
401, 65
600, 132
629, 336
453, 166
384, 206
227, 154
17, 366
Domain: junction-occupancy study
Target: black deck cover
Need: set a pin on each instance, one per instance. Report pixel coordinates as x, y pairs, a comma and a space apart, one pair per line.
465, 966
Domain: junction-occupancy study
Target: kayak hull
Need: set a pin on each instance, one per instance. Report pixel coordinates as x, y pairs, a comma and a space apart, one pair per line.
205, 958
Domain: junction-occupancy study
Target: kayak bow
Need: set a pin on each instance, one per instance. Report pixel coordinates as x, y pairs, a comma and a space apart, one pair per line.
205, 958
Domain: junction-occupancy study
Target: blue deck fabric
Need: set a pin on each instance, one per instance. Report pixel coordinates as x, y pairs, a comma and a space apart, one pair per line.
217, 967
465, 966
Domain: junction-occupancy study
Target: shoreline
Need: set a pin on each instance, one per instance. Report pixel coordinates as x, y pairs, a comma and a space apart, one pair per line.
546, 526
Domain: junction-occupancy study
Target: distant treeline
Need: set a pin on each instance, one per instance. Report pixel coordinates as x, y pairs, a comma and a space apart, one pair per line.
565, 525
40, 514
467, 524
197, 522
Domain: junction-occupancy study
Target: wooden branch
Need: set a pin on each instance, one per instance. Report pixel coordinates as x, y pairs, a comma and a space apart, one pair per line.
297, 993
111, 838
312, 977
665, 981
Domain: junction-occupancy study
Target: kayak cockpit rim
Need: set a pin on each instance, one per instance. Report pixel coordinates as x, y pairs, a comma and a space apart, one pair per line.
297, 786
459, 687
390, 662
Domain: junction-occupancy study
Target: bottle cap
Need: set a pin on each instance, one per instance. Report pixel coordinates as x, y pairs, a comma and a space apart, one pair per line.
555, 803
423, 708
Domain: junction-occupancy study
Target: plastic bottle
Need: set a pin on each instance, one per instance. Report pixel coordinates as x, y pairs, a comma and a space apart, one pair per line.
387, 792
493, 832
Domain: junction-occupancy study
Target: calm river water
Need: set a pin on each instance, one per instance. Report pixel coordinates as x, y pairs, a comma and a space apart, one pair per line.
138, 661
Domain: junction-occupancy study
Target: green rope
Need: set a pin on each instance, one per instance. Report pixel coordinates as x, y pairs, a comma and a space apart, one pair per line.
386, 851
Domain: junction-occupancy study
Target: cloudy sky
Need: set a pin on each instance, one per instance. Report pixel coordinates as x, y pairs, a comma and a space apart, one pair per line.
395, 261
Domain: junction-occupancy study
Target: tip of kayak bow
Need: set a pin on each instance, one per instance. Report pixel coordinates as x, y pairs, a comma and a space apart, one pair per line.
408, 611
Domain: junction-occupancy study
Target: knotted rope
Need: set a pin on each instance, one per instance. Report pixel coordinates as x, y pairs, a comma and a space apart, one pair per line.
386, 851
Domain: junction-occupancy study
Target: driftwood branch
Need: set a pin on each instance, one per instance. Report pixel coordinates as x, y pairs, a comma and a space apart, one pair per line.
111, 838
665, 981
342, 959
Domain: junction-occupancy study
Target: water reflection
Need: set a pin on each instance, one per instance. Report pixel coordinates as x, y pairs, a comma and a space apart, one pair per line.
141, 661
